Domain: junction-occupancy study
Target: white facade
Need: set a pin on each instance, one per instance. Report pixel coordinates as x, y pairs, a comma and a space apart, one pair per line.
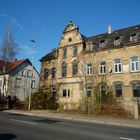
19, 82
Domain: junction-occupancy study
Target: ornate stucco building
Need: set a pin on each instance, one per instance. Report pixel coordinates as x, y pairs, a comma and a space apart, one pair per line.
80, 63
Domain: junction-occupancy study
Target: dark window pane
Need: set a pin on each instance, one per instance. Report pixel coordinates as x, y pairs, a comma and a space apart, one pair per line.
75, 69
46, 73
64, 52
75, 51
53, 72
64, 92
136, 89
64, 71
118, 90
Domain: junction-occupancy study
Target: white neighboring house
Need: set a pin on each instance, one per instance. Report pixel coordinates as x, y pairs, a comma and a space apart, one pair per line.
19, 80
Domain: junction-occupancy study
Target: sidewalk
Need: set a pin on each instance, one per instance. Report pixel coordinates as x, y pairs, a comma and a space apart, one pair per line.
81, 118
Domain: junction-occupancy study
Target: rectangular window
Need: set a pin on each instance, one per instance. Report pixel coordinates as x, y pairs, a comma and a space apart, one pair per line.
136, 89
64, 52
53, 72
89, 69
33, 84
102, 43
46, 73
0, 83
53, 91
17, 82
89, 91
102, 67
75, 69
64, 71
75, 51
117, 66
66, 93
29, 73
134, 64
23, 72
118, 90
133, 37
117, 41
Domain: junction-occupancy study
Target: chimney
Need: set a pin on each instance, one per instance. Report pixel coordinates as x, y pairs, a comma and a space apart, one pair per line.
110, 29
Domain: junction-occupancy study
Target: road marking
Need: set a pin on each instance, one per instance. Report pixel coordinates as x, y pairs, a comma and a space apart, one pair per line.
23, 121
123, 138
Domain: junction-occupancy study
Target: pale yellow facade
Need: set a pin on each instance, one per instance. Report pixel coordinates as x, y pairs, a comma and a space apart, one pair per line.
70, 87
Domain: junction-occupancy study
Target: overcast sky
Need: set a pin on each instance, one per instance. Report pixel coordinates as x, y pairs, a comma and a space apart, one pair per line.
45, 20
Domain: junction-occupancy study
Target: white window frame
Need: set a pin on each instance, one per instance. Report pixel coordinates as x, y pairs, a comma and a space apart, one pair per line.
89, 89
23, 72
29, 73
116, 88
33, 84
89, 69
118, 65
133, 37
135, 63
53, 91
102, 68
117, 41
102, 43
67, 93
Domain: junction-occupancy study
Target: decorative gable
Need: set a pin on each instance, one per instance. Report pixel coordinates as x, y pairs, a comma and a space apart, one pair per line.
70, 27
71, 35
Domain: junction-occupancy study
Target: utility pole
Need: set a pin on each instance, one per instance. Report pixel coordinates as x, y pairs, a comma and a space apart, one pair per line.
30, 90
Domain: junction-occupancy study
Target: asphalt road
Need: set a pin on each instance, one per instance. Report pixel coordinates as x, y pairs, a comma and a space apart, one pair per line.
22, 127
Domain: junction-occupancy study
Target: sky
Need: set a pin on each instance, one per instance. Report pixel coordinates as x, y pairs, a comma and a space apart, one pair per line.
45, 20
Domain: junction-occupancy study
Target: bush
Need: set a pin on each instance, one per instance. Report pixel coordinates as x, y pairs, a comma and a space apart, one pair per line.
43, 100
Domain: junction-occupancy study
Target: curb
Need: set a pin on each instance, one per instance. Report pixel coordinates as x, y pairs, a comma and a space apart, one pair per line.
90, 120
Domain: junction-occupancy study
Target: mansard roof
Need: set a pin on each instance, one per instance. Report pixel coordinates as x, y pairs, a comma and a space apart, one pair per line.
47, 57
122, 34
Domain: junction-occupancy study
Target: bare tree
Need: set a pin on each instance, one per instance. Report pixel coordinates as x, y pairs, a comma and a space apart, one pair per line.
9, 50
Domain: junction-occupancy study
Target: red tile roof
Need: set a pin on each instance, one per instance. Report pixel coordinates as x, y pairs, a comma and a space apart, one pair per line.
11, 65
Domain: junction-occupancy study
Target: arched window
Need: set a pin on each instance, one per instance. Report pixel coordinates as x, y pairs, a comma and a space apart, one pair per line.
46, 74
118, 86
136, 89
89, 91
74, 68
64, 69
53, 91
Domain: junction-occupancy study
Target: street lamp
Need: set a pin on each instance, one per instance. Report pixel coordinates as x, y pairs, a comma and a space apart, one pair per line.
30, 90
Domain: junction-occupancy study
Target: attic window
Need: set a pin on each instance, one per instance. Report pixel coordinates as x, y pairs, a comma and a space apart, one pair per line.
70, 39
133, 37
102, 43
117, 41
